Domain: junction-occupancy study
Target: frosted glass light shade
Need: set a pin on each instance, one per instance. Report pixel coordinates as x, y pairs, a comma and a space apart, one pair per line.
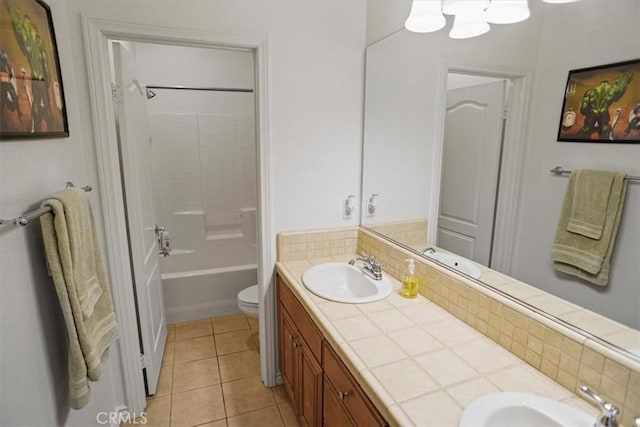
467, 25
425, 17
455, 7
507, 11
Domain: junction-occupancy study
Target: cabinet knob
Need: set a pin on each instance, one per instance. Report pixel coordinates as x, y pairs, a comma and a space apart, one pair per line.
296, 344
292, 337
343, 394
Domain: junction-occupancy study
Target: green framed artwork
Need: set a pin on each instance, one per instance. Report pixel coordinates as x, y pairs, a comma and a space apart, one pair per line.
31, 96
602, 104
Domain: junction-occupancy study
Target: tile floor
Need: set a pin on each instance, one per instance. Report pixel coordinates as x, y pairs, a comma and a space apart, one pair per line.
210, 377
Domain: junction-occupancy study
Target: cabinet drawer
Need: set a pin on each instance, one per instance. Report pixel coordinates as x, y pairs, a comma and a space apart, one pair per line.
348, 391
301, 320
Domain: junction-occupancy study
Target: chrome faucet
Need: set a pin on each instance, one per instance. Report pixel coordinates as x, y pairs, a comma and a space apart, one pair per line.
371, 266
428, 250
609, 411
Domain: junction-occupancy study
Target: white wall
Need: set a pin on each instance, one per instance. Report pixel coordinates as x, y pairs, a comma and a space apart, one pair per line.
315, 94
33, 359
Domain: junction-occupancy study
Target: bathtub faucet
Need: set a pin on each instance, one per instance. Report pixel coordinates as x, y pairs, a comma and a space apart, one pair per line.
371, 266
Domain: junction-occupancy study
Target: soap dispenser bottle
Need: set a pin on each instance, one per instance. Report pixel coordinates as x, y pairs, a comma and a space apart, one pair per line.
409, 280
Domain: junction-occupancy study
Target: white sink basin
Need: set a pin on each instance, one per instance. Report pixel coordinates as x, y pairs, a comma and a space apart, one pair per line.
510, 409
456, 262
341, 282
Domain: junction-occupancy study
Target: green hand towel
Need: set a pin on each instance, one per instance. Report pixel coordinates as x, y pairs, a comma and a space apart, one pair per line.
75, 264
591, 197
582, 256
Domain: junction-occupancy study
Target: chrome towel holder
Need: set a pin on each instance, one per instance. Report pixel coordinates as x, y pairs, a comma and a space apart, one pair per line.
559, 170
26, 218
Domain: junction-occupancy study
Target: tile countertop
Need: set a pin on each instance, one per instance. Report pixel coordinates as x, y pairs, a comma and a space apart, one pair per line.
418, 363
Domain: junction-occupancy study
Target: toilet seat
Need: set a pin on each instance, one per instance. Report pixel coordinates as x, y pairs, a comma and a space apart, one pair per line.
248, 300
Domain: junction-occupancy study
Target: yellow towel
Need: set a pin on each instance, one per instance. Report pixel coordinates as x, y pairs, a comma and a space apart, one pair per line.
582, 256
591, 196
74, 261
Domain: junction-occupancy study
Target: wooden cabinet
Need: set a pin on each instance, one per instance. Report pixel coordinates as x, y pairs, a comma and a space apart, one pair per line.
299, 360
322, 394
350, 399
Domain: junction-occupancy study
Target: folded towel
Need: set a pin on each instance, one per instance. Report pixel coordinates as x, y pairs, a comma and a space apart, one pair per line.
74, 261
591, 196
582, 256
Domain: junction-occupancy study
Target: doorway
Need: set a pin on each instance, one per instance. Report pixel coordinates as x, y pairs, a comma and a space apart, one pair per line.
475, 119
97, 36
517, 85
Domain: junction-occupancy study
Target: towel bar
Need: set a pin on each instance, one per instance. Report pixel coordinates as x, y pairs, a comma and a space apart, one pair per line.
559, 170
26, 218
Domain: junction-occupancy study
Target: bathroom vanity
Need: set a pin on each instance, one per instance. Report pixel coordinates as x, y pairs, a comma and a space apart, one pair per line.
320, 387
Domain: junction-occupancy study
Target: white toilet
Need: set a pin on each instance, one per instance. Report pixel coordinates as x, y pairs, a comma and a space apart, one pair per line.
248, 300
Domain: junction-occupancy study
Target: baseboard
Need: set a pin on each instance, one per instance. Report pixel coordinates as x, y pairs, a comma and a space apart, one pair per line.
202, 311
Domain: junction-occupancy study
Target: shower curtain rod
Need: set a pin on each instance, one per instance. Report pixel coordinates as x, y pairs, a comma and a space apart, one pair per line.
212, 89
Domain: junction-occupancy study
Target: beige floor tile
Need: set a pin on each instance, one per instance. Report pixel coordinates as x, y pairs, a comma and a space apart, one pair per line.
171, 333
194, 349
165, 381
239, 365
198, 406
195, 374
288, 416
266, 417
158, 411
167, 359
234, 342
280, 393
253, 322
234, 322
256, 339
193, 329
247, 394
219, 423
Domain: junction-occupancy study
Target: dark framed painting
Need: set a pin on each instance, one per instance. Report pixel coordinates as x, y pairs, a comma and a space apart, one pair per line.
602, 104
32, 101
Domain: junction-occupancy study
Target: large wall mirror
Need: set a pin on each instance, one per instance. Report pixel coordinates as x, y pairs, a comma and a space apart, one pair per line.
459, 143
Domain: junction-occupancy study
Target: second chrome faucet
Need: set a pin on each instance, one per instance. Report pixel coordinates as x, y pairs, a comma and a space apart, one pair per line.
370, 266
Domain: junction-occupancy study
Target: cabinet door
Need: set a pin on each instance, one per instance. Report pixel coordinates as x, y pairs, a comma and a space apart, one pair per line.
333, 413
309, 386
288, 338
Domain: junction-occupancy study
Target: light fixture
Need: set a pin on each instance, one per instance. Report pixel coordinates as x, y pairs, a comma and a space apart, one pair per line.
507, 11
468, 24
425, 17
455, 7
472, 17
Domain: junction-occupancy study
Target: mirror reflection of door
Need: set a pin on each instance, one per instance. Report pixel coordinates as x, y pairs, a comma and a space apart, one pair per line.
471, 154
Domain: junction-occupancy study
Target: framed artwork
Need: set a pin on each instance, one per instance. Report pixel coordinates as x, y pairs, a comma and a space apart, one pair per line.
31, 97
602, 104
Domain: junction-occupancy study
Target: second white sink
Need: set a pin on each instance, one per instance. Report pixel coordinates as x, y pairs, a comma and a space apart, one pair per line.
341, 282
510, 409
456, 262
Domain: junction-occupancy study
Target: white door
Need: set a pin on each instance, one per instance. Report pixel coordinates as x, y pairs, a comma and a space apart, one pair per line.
470, 170
135, 153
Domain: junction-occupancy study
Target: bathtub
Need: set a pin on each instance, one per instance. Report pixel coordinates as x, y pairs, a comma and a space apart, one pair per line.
199, 294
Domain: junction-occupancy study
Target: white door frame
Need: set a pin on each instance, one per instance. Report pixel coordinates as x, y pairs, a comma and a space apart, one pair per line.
97, 32
512, 154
